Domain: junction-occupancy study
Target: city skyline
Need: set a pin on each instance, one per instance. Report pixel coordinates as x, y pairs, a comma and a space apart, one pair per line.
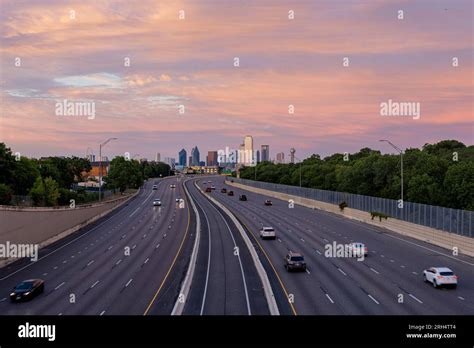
290, 88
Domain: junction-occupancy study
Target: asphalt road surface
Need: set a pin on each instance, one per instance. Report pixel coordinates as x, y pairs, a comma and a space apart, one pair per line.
388, 281
225, 280
90, 273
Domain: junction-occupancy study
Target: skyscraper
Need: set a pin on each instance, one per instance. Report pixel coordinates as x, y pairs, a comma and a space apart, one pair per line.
248, 147
258, 156
265, 153
158, 157
182, 157
212, 158
280, 157
170, 161
241, 154
195, 156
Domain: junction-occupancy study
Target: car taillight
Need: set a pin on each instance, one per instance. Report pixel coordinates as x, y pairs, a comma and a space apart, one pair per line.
455, 277
439, 277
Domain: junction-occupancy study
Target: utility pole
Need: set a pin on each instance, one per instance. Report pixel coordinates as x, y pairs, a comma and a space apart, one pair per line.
100, 165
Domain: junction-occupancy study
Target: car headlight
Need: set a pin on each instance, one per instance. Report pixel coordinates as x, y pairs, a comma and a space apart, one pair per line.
12, 294
27, 293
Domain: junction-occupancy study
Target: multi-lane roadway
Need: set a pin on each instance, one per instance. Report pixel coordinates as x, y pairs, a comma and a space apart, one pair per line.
137, 260
388, 281
119, 265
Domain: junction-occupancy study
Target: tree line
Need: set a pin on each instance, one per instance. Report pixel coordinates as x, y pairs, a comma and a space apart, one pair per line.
439, 174
49, 180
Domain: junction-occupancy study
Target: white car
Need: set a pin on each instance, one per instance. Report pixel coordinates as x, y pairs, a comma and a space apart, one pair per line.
172, 186
267, 233
157, 202
439, 276
358, 249
178, 200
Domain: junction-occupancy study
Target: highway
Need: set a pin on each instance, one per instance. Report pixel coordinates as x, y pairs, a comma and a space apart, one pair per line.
92, 269
225, 280
89, 272
394, 266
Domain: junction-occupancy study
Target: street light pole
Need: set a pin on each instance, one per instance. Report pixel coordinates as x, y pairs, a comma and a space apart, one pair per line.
100, 165
400, 151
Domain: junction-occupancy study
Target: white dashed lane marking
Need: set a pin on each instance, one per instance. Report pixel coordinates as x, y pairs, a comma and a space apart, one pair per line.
373, 299
57, 287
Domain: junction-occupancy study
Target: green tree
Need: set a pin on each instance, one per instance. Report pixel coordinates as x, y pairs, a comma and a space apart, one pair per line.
124, 174
45, 192
5, 194
26, 173
459, 186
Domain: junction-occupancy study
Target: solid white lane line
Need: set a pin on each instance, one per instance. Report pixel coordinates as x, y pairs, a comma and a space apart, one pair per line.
373, 299
240, 261
340, 270
97, 282
203, 303
128, 283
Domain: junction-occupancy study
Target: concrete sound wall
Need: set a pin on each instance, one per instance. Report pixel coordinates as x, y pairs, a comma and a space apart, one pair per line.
465, 245
44, 226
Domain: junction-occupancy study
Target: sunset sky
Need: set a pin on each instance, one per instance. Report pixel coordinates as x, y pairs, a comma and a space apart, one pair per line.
190, 62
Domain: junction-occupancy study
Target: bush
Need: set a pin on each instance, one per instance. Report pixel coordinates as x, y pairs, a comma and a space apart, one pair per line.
66, 195
45, 192
5, 194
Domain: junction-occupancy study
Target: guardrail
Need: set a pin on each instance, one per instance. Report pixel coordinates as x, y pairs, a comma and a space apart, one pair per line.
445, 219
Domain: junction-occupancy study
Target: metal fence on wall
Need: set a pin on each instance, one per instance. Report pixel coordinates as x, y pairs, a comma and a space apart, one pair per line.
445, 219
